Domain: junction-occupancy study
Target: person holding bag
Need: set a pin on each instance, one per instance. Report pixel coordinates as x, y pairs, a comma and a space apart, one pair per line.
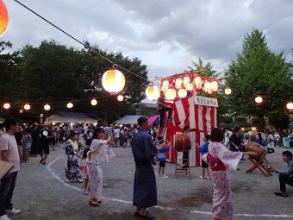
9, 153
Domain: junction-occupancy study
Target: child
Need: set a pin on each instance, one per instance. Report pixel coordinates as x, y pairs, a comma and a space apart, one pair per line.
204, 166
85, 170
26, 144
100, 152
163, 148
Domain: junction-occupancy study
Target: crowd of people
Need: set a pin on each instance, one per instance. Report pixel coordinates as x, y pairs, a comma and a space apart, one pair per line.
87, 147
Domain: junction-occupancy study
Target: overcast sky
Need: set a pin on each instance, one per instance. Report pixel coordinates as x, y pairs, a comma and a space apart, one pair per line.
167, 35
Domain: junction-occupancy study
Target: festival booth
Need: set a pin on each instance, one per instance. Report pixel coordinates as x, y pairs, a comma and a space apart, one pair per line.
197, 112
70, 117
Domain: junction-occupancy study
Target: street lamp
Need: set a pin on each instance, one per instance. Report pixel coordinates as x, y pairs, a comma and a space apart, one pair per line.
258, 99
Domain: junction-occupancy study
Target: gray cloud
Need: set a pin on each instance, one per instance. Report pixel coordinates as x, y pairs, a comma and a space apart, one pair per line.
167, 34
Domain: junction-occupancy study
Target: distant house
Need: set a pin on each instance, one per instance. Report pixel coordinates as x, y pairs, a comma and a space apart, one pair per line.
70, 117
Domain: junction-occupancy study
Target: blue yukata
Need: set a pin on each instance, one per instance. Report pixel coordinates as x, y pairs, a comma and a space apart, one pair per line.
145, 189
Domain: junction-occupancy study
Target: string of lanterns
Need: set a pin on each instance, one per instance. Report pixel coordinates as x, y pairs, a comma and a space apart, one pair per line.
47, 107
180, 84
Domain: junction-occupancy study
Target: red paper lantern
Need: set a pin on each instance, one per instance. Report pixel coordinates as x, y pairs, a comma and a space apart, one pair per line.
3, 18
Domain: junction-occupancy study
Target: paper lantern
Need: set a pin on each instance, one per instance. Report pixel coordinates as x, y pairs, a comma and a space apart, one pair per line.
214, 86
289, 106
186, 80
207, 87
47, 107
170, 94
198, 82
69, 105
6, 106
189, 87
27, 107
165, 83
258, 99
113, 81
228, 91
182, 93
120, 98
94, 102
3, 18
164, 88
152, 92
178, 83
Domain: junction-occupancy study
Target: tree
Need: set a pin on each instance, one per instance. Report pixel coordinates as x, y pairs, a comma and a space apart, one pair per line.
205, 69
208, 71
9, 73
259, 71
52, 73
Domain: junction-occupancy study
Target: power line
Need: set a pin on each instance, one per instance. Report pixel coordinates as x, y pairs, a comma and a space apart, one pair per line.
86, 46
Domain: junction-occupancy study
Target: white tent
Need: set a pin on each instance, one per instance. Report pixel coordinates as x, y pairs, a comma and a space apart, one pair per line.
70, 117
128, 120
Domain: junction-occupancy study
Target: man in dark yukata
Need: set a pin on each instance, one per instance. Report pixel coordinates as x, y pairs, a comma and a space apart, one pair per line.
145, 189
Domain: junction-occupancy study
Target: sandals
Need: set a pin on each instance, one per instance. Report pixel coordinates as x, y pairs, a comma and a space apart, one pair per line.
94, 203
147, 216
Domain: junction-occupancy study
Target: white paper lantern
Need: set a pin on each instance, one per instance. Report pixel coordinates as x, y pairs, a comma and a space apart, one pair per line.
113, 81
186, 80
6, 106
47, 107
228, 91
289, 106
165, 83
189, 87
214, 86
120, 98
178, 83
258, 99
94, 102
27, 107
182, 93
170, 94
198, 82
69, 105
152, 92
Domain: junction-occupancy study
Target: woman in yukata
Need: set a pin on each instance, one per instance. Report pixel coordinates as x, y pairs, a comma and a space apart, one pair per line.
72, 171
100, 152
222, 161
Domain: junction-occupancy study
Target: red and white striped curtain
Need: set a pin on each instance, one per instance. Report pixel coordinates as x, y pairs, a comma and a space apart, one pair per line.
200, 118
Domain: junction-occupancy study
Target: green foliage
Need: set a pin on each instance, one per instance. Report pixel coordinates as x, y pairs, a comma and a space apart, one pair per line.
205, 69
279, 120
52, 73
259, 71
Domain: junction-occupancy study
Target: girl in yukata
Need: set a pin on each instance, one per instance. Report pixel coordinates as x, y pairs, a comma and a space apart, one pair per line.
72, 171
222, 161
100, 152
84, 168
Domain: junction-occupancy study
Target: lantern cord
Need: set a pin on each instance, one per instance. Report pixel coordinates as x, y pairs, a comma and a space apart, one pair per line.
85, 45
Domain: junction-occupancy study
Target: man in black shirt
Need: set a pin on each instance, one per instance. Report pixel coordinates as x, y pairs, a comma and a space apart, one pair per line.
236, 140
